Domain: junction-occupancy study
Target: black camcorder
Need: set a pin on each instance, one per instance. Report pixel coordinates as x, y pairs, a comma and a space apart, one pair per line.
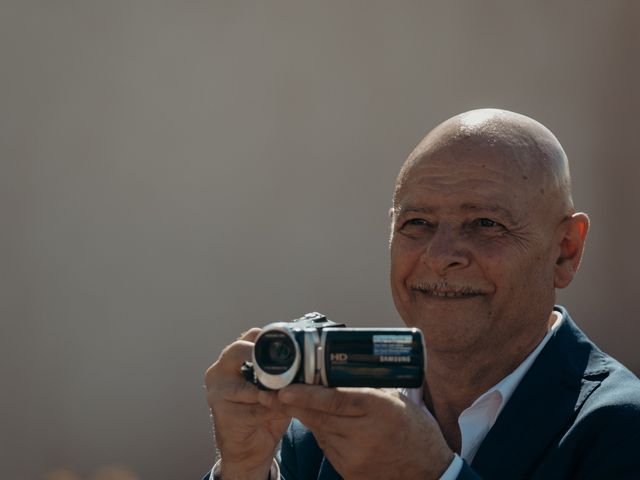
317, 351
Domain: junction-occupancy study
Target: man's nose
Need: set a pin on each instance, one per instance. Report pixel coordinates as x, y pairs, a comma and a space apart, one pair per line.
445, 252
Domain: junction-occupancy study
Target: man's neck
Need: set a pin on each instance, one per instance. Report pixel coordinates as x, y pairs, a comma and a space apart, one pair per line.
455, 380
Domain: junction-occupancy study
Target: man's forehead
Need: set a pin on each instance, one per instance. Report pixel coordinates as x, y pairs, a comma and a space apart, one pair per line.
470, 185
474, 175
468, 168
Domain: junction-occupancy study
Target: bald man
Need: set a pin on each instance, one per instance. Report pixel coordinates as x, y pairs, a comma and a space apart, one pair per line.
483, 233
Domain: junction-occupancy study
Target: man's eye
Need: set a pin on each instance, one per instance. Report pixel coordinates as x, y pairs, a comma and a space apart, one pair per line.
416, 221
415, 225
486, 222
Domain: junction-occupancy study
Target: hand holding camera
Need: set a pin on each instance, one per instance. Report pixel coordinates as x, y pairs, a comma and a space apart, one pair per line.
309, 350
246, 432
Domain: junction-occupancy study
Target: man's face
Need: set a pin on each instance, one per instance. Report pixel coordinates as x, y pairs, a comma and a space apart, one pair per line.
472, 249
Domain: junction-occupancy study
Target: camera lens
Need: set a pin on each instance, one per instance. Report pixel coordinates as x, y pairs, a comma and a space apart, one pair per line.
275, 352
280, 353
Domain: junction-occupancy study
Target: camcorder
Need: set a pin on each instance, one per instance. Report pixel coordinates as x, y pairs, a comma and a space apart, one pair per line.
314, 350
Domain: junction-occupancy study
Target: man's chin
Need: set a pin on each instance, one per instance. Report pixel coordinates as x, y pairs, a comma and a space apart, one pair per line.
442, 339
449, 324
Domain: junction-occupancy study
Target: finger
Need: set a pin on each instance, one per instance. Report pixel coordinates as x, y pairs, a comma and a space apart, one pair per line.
235, 353
269, 399
235, 391
331, 442
229, 361
240, 414
250, 335
321, 422
337, 401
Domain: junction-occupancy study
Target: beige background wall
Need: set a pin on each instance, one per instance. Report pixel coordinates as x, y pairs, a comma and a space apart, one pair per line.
172, 173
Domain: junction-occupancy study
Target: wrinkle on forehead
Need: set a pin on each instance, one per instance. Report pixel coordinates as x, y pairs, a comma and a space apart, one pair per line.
525, 145
467, 187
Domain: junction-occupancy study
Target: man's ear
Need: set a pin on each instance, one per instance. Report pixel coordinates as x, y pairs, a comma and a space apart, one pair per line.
573, 234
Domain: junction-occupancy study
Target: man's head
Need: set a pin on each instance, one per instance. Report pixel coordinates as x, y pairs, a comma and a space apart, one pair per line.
483, 232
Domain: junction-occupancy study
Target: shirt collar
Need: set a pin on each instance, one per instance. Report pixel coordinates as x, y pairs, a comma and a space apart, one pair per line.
508, 384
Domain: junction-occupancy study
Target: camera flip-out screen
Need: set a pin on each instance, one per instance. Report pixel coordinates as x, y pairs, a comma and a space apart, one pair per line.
373, 357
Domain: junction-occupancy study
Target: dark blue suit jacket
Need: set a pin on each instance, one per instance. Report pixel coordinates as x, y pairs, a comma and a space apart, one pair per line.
576, 414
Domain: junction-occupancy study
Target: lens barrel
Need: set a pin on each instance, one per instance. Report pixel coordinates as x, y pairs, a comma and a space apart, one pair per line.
276, 356
275, 352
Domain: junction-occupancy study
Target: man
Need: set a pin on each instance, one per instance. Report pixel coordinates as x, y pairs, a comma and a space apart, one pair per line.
483, 232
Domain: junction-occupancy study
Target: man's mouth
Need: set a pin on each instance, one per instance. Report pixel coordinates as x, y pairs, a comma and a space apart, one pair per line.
447, 291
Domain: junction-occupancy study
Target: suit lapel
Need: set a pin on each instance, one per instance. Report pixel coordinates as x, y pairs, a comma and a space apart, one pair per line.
327, 472
560, 380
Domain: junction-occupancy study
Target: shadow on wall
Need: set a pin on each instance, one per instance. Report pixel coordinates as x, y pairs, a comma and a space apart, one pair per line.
111, 472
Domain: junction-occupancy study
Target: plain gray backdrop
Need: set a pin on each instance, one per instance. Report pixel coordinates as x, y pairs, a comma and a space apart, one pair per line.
173, 173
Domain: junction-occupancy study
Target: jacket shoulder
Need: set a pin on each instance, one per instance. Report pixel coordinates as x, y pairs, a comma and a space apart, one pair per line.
615, 404
606, 430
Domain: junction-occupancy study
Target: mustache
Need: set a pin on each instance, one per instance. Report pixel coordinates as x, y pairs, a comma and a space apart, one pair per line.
444, 287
